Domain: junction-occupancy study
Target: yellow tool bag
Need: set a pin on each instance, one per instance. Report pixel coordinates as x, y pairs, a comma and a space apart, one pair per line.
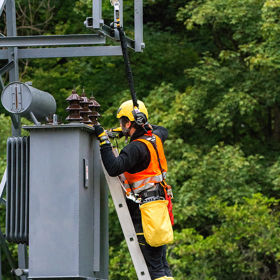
156, 223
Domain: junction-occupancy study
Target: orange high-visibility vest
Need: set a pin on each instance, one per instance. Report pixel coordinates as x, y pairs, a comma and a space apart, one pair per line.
146, 178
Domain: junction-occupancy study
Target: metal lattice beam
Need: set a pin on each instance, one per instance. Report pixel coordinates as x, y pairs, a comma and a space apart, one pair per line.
51, 40
65, 52
7, 67
7, 252
3, 183
138, 25
2, 6
13, 53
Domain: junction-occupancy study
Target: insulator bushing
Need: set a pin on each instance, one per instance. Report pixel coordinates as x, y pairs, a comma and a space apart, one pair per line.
94, 106
74, 107
85, 112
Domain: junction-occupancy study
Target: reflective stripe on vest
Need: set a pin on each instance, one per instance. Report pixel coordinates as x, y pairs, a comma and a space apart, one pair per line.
146, 178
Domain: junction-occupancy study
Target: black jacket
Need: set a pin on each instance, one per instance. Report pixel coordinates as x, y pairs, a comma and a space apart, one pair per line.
134, 157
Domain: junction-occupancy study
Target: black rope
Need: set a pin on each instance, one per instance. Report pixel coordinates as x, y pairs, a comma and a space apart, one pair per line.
128, 67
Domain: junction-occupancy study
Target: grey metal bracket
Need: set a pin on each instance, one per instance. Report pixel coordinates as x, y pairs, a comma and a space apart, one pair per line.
2, 6
51, 40
97, 13
15, 121
138, 25
3, 183
113, 34
65, 52
7, 67
7, 252
91, 278
22, 261
21, 272
2, 186
36, 122
96, 22
1, 82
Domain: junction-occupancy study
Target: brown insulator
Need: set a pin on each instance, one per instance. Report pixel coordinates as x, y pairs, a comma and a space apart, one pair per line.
94, 117
95, 114
74, 107
85, 112
74, 96
94, 106
94, 103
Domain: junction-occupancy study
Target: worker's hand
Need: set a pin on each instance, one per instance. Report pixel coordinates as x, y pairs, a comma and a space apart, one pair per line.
115, 132
98, 130
101, 135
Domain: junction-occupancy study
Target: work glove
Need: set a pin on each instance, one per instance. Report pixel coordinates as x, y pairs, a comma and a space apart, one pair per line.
115, 132
101, 135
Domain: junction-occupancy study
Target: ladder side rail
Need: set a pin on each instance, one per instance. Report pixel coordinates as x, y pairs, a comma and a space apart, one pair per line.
115, 187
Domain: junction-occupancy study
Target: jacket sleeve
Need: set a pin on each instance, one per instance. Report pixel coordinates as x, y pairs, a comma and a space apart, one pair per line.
161, 132
127, 159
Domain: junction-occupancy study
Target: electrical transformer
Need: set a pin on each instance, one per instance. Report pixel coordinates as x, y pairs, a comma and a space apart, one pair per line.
27, 101
68, 212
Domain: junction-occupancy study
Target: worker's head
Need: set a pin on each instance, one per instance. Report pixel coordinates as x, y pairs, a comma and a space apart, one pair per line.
126, 117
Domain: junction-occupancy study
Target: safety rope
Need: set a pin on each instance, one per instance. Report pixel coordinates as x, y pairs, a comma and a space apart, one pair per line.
116, 5
127, 66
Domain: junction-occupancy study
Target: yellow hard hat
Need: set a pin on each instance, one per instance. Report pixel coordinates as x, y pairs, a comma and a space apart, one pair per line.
127, 107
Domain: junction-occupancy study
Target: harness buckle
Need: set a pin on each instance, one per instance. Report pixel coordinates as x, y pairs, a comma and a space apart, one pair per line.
134, 197
152, 195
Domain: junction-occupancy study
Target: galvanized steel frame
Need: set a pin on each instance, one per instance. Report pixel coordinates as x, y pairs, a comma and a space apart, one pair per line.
12, 42
3, 185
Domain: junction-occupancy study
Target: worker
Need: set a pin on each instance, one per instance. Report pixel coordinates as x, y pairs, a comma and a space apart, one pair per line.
135, 162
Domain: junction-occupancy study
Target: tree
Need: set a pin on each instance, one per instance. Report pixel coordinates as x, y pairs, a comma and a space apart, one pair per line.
243, 246
235, 87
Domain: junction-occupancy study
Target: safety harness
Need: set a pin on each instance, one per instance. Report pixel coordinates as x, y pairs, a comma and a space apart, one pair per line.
147, 178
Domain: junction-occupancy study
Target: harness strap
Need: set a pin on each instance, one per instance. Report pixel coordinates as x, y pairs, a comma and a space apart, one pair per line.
155, 147
127, 66
167, 188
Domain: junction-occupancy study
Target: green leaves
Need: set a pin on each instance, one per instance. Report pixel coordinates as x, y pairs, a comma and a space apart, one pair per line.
5, 132
243, 246
211, 78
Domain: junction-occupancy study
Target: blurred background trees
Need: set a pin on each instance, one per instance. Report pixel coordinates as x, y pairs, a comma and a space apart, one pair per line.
210, 74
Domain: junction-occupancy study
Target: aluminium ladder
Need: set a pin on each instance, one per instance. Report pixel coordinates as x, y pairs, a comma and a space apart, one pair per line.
118, 196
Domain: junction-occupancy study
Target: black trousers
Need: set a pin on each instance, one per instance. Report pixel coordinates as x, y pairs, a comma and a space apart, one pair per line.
155, 257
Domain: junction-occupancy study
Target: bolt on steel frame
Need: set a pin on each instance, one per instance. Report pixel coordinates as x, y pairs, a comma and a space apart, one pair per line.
15, 47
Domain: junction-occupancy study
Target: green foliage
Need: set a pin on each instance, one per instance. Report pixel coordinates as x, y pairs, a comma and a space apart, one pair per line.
235, 92
5, 132
209, 73
244, 246
223, 171
121, 259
